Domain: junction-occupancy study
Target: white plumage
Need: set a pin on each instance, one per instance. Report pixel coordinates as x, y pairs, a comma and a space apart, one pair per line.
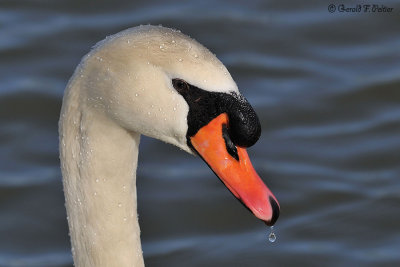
120, 90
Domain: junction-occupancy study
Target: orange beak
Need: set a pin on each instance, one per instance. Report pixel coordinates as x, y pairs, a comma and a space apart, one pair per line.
235, 169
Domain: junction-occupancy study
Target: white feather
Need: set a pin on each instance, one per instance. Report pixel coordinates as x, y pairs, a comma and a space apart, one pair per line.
120, 90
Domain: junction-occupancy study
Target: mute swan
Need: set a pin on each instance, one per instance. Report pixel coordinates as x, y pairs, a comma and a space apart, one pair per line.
161, 83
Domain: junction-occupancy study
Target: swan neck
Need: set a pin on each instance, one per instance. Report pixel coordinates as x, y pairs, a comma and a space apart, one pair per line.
99, 160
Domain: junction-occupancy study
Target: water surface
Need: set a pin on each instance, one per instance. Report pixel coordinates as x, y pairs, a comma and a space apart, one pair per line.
326, 89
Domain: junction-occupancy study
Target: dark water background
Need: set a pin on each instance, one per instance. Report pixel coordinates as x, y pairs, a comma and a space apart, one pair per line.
326, 87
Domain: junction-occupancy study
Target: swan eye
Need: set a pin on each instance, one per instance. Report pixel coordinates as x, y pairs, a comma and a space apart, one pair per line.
180, 85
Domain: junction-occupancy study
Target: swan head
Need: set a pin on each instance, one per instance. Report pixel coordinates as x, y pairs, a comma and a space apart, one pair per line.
161, 83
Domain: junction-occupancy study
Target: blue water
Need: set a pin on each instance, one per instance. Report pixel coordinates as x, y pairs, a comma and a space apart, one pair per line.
326, 87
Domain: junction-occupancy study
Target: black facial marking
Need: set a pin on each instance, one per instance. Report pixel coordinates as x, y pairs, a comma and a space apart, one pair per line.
244, 127
230, 147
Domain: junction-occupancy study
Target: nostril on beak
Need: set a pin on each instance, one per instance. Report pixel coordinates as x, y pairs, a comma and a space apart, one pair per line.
275, 212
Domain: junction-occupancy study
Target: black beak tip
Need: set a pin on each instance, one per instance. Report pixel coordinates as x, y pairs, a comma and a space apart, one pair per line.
275, 212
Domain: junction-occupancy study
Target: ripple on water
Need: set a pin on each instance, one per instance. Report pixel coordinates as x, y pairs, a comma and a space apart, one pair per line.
327, 101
